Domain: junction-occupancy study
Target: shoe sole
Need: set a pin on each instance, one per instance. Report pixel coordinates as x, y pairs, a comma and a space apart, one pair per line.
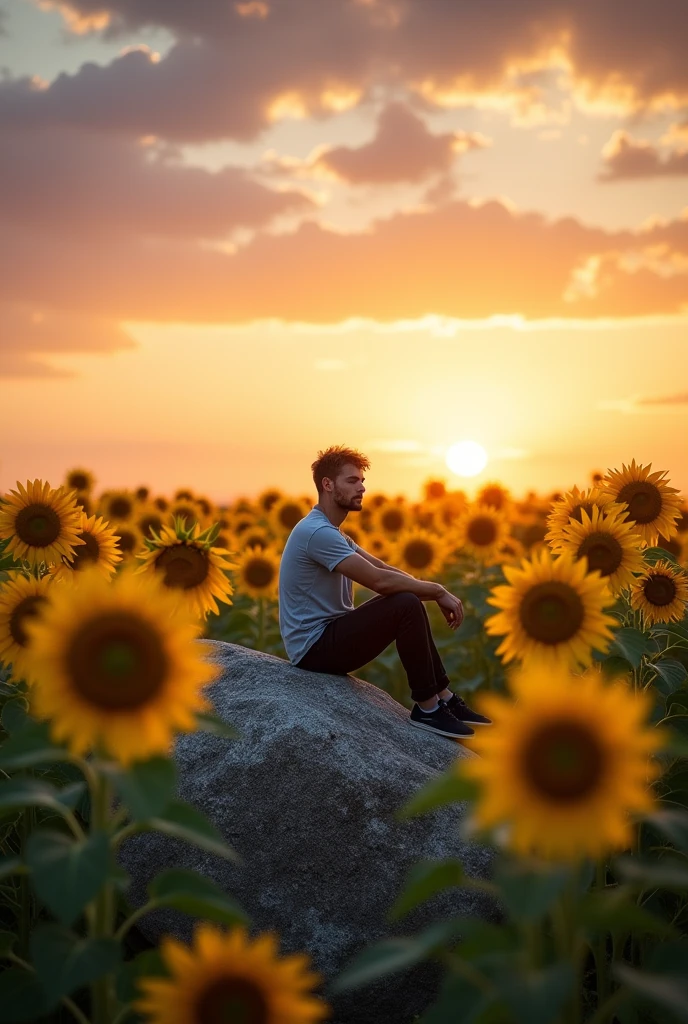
441, 732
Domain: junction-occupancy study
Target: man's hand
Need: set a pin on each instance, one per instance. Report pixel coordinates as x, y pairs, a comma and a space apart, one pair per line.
451, 608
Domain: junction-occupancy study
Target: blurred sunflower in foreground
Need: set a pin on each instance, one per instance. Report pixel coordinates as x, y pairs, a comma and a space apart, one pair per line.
553, 609
112, 666
661, 593
41, 523
653, 507
227, 977
566, 764
189, 564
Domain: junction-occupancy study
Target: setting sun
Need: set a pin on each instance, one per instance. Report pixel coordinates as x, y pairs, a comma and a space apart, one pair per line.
466, 458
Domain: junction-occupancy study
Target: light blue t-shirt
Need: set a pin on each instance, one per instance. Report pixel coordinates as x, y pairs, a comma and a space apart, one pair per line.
311, 593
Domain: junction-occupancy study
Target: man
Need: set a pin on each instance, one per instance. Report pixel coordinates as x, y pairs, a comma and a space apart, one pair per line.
321, 629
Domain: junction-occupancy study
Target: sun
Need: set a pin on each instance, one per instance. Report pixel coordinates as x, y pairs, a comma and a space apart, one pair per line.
466, 458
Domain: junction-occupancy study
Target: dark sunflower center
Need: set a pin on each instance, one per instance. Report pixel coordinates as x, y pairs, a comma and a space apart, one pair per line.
120, 508
183, 566
116, 662
419, 554
575, 512
186, 513
493, 496
392, 519
269, 499
127, 540
78, 481
259, 573
28, 608
482, 531
86, 553
436, 489
551, 612
602, 551
659, 589
231, 1001
290, 515
643, 499
38, 525
148, 523
533, 534
563, 761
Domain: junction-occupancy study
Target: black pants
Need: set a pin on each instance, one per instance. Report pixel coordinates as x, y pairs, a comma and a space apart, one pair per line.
354, 639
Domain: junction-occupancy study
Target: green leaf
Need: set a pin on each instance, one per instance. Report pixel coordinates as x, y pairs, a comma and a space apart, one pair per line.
217, 726
661, 990
614, 666
657, 554
182, 821
146, 965
631, 644
15, 714
64, 962
674, 630
668, 873
30, 746
10, 866
470, 627
196, 895
536, 996
671, 673
457, 992
529, 892
671, 823
617, 912
26, 792
147, 787
393, 955
7, 941
425, 879
67, 874
448, 788
21, 996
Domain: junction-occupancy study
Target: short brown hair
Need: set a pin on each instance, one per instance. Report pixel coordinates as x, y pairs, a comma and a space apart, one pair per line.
330, 462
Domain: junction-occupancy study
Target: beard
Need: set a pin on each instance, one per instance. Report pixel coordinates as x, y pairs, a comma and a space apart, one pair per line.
350, 504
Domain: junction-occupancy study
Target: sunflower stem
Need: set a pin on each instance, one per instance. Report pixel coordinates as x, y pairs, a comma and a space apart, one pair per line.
101, 922
261, 624
600, 945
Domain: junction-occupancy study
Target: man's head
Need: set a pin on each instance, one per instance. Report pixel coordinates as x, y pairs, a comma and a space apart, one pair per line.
338, 477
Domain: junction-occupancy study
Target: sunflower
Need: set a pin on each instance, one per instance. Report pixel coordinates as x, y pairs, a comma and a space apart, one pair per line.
42, 524
566, 764
251, 537
376, 544
494, 495
552, 608
117, 505
113, 666
480, 531
226, 976
286, 513
79, 480
266, 499
608, 543
569, 508
661, 593
129, 538
100, 549
142, 493
149, 518
425, 515
185, 509
510, 551
531, 531
434, 489
419, 552
390, 518
22, 597
188, 564
653, 507
354, 533
239, 524
257, 570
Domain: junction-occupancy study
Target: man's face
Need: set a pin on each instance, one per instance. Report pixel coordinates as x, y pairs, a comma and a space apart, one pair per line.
348, 489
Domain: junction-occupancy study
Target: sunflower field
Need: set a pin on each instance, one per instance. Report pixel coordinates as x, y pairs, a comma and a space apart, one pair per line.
574, 642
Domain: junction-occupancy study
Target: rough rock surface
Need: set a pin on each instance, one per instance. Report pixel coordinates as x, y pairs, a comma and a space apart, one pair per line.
307, 798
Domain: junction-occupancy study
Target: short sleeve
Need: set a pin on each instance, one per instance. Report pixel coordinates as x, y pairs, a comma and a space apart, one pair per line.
328, 547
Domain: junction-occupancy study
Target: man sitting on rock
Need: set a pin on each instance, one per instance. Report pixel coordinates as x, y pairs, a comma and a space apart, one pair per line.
321, 629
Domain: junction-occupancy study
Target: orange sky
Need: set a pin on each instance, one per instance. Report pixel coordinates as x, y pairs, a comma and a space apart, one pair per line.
235, 235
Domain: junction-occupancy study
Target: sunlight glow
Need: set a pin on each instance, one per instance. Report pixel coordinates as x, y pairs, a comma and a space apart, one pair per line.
466, 458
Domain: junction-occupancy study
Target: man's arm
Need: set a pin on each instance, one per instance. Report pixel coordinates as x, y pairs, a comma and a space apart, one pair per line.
379, 563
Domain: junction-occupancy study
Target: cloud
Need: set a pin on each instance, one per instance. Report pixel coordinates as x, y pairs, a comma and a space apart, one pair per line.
229, 74
403, 150
676, 402
626, 157
90, 184
27, 330
463, 260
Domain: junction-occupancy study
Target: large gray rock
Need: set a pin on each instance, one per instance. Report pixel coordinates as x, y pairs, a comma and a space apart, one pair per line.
307, 798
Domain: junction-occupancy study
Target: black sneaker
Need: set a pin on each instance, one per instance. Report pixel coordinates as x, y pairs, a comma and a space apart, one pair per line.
460, 709
441, 721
